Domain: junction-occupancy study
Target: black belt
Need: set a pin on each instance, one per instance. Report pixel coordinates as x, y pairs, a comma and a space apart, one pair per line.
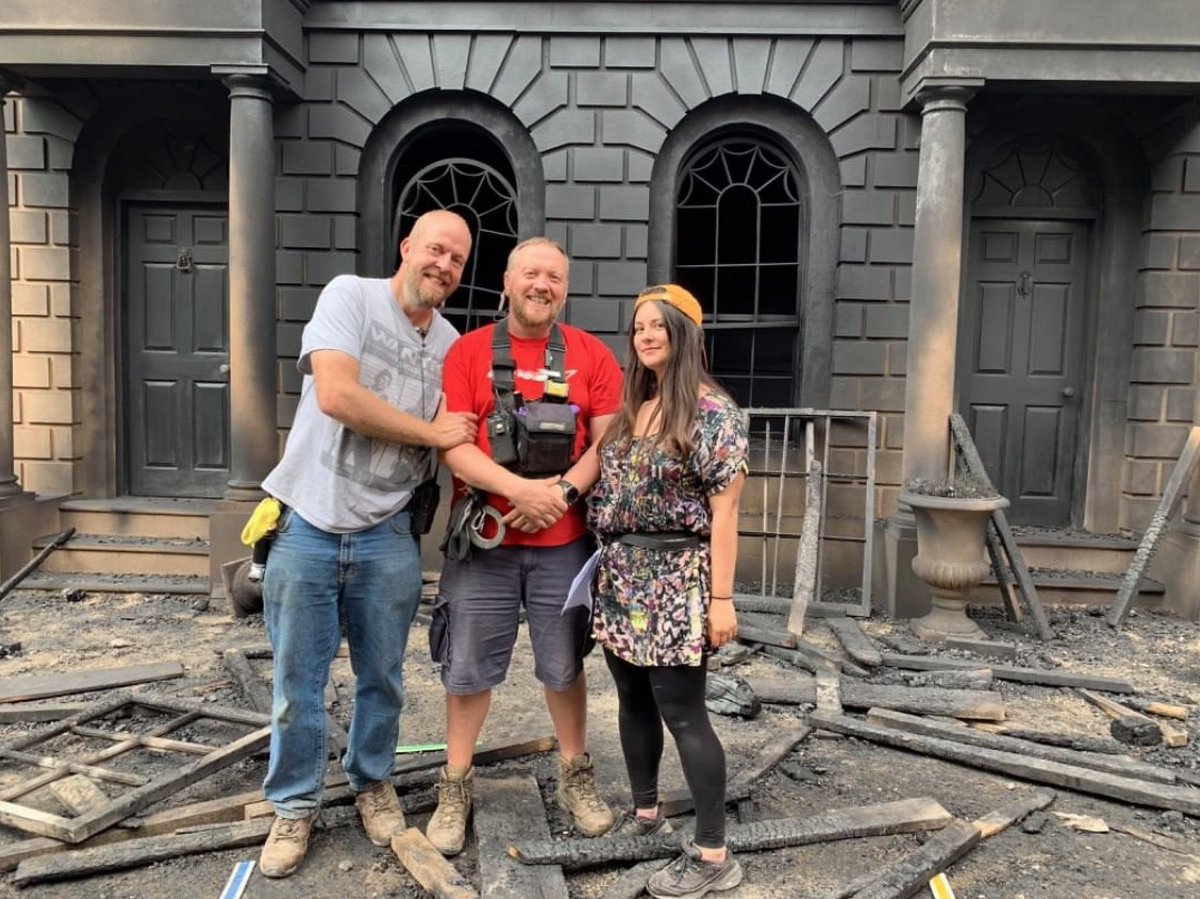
668, 540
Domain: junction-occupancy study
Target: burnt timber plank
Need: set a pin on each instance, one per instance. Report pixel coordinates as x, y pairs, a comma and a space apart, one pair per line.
913, 872
47, 686
135, 853
805, 581
857, 644
1125, 767
977, 705
992, 648
989, 825
1171, 495
508, 809
1079, 742
428, 868
902, 816
1039, 676
1011, 764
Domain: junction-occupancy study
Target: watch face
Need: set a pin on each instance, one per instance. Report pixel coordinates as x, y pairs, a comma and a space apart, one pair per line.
570, 491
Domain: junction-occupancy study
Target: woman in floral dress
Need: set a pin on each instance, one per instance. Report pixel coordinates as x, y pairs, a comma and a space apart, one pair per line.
672, 465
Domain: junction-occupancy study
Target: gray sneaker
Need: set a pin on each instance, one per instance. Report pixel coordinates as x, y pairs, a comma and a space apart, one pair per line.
690, 877
630, 825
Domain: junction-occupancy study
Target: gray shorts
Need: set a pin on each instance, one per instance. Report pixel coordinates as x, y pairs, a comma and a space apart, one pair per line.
478, 607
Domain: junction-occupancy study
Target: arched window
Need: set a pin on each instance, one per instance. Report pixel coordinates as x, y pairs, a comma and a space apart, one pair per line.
739, 220
478, 185
460, 151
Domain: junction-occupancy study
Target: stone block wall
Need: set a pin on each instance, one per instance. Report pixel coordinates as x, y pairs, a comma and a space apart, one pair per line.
1162, 391
40, 137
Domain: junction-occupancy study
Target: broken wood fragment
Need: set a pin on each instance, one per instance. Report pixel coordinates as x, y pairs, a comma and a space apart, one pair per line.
771, 754
982, 705
20, 713
631, 883
857, 644
805, 580
909, 875
1078, 742
732, 654
1172, 493
429, 868
140, 852
507, 809
253, 687
967, 679
903, 816
1125, 767
989, 825
1154, 707
1044, 677
829, 697
77, 794
991, 648
1011, 764
1132, 727
749, 631
47, 686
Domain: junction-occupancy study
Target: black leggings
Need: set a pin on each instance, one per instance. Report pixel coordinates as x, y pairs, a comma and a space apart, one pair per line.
650, 697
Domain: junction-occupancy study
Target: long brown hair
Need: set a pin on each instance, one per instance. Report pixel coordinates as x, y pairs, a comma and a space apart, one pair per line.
678, 391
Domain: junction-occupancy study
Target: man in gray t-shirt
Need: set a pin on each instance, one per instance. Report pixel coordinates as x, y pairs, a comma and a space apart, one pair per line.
363, 438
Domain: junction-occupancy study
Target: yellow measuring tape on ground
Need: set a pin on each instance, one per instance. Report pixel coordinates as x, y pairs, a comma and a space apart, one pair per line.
940, 887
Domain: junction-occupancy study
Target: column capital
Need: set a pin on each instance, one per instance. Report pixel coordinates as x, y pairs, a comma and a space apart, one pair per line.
247, 85
935, 91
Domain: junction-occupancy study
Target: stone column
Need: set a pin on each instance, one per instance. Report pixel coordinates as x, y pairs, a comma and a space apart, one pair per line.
8, 477
253, 443
932, 329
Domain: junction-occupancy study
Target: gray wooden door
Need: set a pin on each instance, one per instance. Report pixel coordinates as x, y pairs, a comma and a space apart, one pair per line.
176, 351
1021, 359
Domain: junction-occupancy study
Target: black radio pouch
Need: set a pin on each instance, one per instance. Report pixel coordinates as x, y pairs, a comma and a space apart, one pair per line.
535, 438
545, 438
423, 505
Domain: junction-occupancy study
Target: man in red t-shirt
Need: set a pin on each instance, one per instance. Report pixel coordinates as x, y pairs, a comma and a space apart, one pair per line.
544, 545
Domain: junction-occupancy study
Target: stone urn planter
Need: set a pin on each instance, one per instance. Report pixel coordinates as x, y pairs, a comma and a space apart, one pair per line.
951, 532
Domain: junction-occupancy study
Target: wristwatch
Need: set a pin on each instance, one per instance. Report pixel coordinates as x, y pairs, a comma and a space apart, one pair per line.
570, 492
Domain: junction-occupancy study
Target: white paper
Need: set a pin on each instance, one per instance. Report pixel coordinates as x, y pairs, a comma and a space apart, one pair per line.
580, 593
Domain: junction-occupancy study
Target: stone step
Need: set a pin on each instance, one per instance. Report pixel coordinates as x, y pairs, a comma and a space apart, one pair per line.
133, 516
1076, 587
108, 554
95, 582
1075, 550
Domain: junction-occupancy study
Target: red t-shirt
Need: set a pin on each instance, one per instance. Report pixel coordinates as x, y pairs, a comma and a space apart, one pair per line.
593, 383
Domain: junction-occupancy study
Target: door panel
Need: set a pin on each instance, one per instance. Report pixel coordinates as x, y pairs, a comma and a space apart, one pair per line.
1021, 352
176, 342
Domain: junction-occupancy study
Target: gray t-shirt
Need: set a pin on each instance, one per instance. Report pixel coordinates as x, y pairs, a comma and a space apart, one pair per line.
333, 477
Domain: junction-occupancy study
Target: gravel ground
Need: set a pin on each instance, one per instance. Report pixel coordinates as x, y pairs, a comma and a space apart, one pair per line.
1044, 858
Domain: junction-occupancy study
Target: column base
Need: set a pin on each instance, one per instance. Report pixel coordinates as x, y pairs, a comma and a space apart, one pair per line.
1177, 566
24, 517
896, 592
947, 618
225, 523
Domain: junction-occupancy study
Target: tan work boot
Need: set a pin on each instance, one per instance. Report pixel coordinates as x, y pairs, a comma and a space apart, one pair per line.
447, 829
577, 794
286, 845
380, 812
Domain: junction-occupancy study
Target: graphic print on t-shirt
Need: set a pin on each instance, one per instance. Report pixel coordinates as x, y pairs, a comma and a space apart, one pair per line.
395, 373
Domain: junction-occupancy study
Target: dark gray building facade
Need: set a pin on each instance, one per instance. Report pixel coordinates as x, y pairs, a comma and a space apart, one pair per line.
910, 206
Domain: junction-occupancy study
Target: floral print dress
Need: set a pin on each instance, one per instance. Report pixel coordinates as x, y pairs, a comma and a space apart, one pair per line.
650, 604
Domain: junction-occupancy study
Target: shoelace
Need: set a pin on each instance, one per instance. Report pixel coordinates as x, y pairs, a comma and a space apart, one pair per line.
586, 791
452, 800
379, 803
290, 830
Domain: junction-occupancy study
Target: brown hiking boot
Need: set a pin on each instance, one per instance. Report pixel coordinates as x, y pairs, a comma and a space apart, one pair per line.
447, 829
577, 794
380, 811
286, 846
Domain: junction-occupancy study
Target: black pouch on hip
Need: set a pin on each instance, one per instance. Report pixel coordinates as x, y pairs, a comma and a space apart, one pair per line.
423, 505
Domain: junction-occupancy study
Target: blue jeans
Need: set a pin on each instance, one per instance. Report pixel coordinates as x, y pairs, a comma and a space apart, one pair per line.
373, 579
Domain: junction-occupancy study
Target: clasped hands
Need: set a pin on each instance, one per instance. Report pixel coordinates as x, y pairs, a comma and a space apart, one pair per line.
537, 504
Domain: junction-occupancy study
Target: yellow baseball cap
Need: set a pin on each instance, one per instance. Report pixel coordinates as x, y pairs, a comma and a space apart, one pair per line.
672, 295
